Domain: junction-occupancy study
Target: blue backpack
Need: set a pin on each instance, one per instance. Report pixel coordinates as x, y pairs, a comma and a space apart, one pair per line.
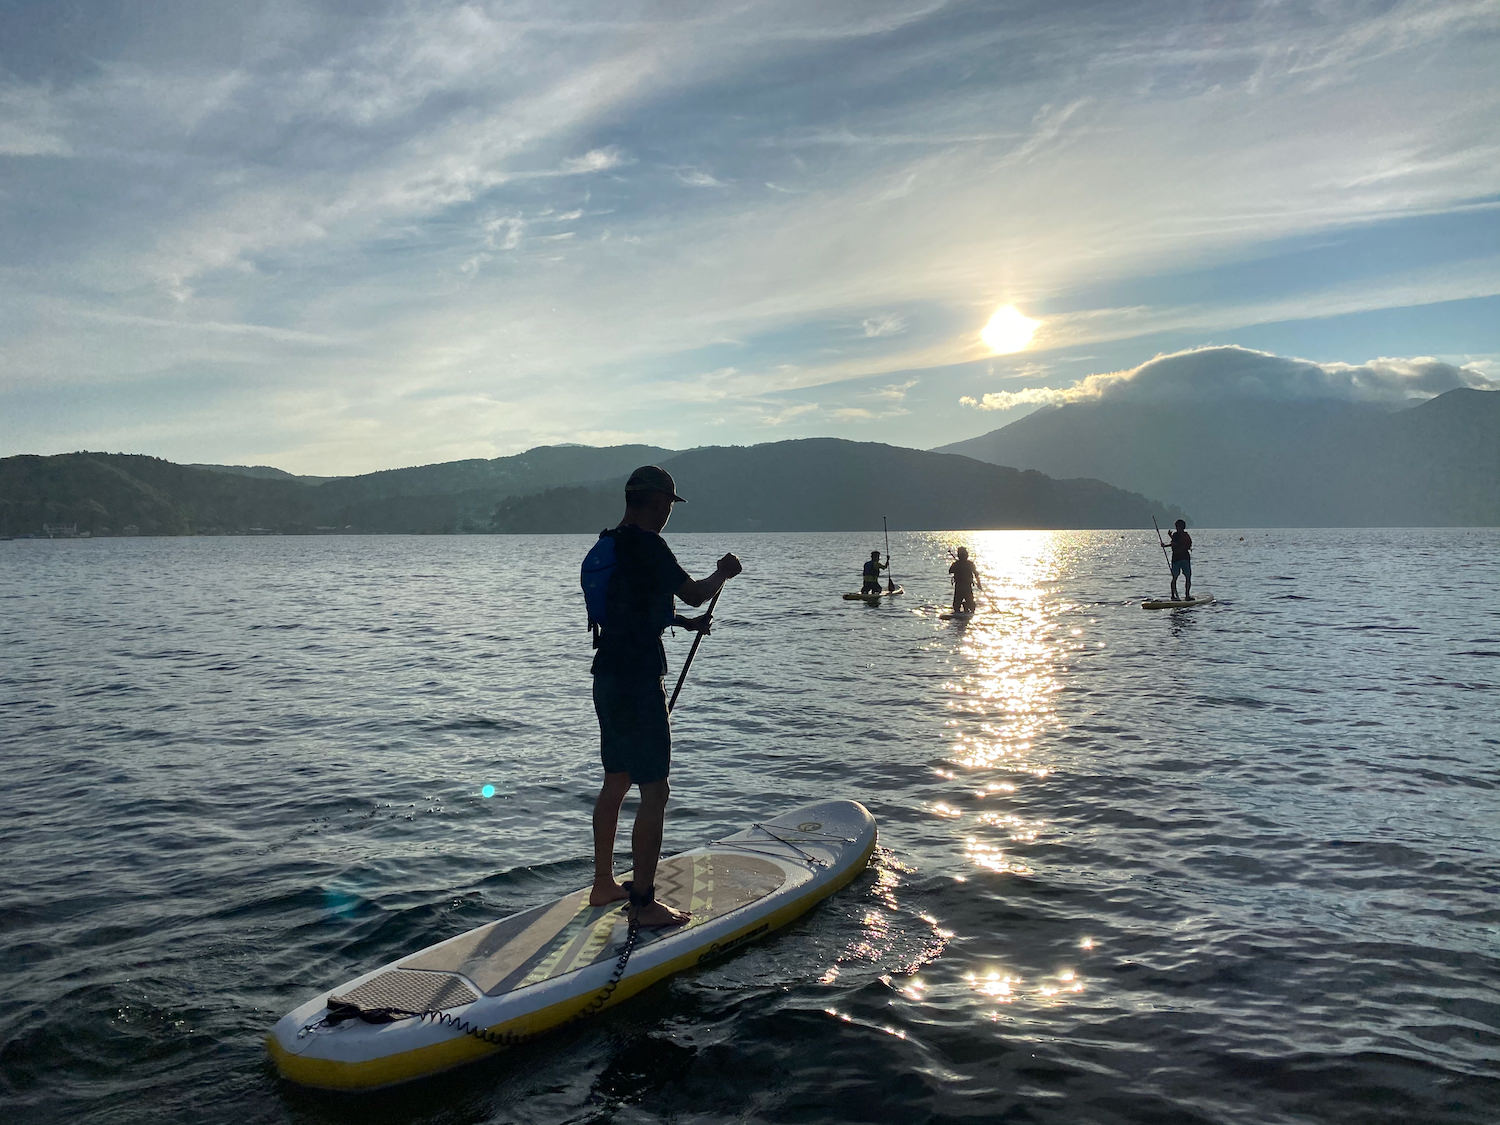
601, 568
595, 576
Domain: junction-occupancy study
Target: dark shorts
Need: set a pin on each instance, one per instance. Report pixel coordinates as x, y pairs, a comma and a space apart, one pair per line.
634, 734
1182, 566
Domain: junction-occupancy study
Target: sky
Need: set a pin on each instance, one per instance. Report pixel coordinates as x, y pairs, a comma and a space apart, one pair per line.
343, 236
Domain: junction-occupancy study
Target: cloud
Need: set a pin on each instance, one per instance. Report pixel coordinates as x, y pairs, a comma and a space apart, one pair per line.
886, 324
1461, 280
30, 123
896, 392
781, 415
596, 160
504, 233
1047, 127
1227, 373
697, 177
1010, 400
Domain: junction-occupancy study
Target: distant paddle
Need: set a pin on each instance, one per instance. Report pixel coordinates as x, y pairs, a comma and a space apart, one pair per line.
692, 652
890, 583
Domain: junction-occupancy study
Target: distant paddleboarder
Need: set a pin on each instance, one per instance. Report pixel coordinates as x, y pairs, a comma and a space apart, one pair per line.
965, 576
1182, 561
872, 574
629, 580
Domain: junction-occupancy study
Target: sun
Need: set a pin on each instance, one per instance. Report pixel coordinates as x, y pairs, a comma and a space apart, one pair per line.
1008, 330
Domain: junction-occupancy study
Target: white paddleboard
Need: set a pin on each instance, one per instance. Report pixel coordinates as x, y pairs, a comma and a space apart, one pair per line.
532, 971
1180, 603
874, 599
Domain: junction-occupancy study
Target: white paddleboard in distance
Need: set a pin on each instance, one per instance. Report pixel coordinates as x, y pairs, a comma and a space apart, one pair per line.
538, 969
874, 599
1180, 603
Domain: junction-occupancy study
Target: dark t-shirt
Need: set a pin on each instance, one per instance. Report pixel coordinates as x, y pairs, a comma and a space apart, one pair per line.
1182, 545
964, 572
640, 605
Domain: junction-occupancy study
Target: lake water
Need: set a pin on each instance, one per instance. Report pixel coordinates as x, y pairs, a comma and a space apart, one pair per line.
1231, 864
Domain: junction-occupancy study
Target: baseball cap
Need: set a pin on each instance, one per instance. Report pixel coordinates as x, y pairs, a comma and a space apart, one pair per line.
653, 478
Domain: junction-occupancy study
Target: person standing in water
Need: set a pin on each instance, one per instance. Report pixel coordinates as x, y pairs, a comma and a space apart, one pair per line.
872, 574
635, 738
1182, 560
965, 576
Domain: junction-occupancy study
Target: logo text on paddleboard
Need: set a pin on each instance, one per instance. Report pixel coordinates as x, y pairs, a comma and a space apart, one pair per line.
719, 948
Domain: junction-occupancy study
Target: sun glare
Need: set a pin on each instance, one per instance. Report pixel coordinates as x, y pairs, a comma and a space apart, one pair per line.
1009, 330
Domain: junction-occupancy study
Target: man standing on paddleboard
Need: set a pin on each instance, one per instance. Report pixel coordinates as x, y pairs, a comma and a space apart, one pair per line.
1182, 561
871, 584
965, 581
635, 738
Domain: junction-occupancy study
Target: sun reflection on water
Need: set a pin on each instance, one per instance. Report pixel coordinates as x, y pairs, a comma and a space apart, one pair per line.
887, 935
1001, 697
993, 858
1018, 828
1007, 664
1007, 988
994, 985
1006, 667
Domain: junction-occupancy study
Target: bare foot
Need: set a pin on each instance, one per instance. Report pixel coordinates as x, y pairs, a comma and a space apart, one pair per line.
656, 914
602, 894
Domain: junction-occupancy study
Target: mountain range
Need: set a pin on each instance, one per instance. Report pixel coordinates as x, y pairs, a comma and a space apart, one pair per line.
1251, 462
827, 484
1262, 463
816, 483
118, 493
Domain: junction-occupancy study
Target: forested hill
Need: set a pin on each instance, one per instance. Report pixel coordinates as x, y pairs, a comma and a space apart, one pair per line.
826, 484
811, 484
117, 493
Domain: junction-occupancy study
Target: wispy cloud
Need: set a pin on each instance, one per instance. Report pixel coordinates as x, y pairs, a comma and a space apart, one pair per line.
1477, 277
772, 416
31, 122
887, 324
896, 392
596, 160
697, 177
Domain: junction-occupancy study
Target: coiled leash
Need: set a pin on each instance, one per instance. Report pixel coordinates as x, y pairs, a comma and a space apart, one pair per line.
340, 1010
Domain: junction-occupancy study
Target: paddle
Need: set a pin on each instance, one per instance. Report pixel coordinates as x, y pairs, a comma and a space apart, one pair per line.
1163, 547
890, 583
692, 652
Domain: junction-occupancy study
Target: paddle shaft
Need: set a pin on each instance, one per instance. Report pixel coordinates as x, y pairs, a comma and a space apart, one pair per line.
890, 583
692, 652
1161, 544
